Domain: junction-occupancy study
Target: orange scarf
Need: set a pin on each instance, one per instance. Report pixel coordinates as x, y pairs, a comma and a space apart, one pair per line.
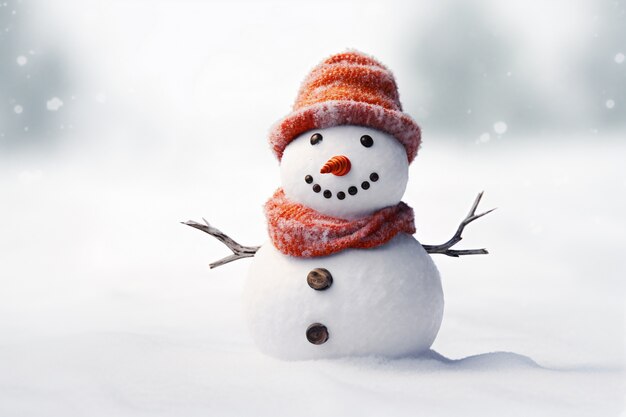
298, 230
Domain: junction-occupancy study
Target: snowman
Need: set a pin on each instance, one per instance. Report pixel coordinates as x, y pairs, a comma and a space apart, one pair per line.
341, 274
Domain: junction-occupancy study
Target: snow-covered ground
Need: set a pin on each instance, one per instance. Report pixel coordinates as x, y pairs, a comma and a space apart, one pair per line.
107, 304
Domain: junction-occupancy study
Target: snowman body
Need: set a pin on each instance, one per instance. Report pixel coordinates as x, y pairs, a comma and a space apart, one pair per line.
386, 300
383, 301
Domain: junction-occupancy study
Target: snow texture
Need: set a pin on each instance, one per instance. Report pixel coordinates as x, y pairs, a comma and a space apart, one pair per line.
385, 301
386, 157
108, 307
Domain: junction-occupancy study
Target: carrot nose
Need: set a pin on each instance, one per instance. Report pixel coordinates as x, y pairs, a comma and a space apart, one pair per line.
338, 165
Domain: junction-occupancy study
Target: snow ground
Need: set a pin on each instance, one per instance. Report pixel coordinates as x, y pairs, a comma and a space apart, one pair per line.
108, 306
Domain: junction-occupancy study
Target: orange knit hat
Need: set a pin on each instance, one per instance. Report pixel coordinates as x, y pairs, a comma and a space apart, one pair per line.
349, 88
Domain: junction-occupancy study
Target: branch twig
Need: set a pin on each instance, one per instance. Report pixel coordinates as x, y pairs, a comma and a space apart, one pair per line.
239, 251
445, 247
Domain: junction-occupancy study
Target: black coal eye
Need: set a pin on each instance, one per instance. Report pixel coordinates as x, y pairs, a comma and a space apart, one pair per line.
367, 141
316, 138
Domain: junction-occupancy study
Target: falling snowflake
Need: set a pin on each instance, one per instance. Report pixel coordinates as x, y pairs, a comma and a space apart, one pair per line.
500, 127
21, 60
18, 109
619, 58
484, 138
610, 104
54, 104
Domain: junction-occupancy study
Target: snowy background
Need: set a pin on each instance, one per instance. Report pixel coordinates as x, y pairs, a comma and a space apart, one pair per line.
120, 119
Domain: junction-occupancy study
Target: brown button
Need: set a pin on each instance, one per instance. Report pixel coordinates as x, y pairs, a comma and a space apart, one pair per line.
319, 279
317, 333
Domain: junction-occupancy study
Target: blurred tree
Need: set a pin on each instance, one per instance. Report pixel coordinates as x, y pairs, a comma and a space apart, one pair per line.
32, 72
469, 77
603, 67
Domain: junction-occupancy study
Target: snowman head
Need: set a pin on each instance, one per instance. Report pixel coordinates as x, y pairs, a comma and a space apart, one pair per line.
345, 148
345, 171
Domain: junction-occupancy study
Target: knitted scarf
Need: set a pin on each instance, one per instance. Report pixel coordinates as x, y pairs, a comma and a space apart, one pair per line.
298, 230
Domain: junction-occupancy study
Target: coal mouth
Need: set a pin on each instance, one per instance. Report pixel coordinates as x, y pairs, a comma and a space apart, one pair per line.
341, 195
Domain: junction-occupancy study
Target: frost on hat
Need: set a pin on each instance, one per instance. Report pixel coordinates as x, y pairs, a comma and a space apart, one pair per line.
349, 88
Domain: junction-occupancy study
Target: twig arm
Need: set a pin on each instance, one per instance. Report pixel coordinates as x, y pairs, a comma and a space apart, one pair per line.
456, 238
239, 251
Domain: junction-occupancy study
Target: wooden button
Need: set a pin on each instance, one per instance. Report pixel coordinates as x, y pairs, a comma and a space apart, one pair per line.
317, 334
319, 279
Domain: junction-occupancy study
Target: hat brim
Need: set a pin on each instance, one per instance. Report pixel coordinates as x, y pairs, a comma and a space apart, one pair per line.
346, 112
